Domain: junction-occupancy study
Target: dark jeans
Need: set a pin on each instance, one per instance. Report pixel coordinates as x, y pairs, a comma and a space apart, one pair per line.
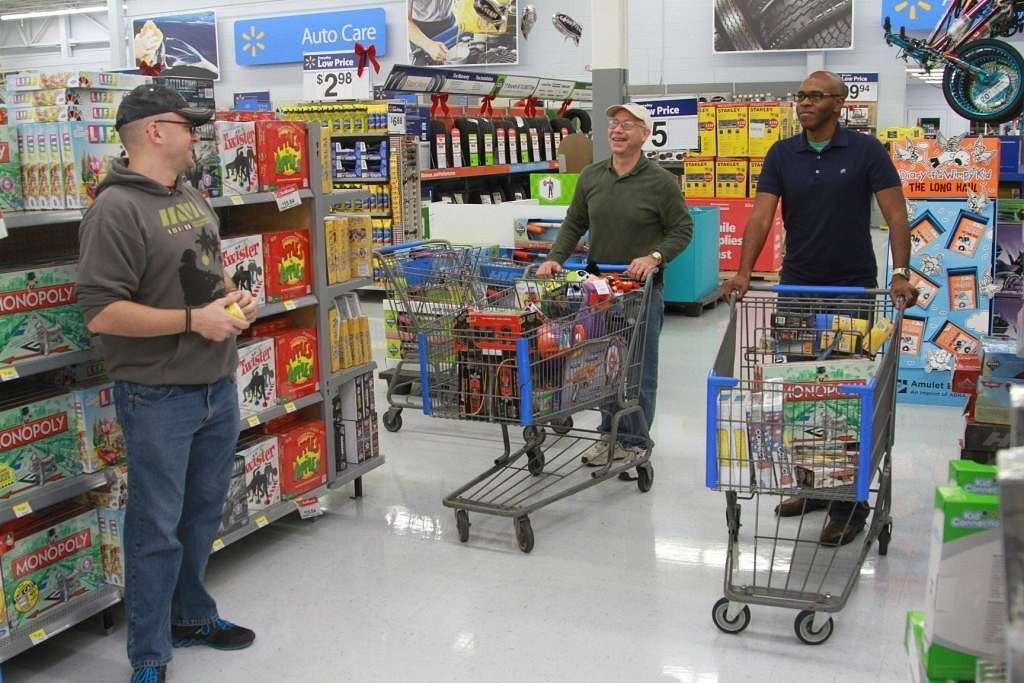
181, 445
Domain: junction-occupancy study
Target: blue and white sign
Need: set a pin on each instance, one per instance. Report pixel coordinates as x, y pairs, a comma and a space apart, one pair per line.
334, 77
674, 123
284, 40
863, 86
913, 15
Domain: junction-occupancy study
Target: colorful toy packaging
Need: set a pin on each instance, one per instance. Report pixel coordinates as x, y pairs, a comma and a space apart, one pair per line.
262, 471
303, 453
297, 365
243, 263
257, 386
11, 198
100, 437
236, 508
92, 147
111, 525
236, 143
38, 443
286, 257
48, 559
283, 160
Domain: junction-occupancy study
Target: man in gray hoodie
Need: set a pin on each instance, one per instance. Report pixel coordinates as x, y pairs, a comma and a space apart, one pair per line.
151, 285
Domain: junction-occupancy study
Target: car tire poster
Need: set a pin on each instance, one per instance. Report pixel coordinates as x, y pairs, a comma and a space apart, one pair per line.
178, 45
462, 32
782, 25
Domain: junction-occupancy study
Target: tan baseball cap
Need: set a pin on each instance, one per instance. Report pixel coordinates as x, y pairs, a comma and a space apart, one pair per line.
637, 111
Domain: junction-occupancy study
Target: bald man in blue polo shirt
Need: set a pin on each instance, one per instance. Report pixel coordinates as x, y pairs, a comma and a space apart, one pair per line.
825, 178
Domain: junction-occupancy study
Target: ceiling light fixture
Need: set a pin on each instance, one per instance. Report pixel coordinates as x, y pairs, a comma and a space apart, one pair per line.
91, 9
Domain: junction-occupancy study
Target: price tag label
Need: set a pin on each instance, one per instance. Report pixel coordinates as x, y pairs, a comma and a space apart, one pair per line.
333, 77
309, 507
289, 305
396, 119
7, 374
252, 420
674, 123
287, 198
237, 200
289, 407
218, 545
38, 636
22, 509
863, 86
262, 521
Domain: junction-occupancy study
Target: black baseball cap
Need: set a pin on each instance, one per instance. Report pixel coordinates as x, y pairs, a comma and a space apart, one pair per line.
152, 99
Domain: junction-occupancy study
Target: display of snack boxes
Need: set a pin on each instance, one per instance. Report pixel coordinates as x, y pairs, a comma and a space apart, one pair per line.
360, 246
698, 177
336, 237
255, 376
262, 471
243, 263
286, 258
297, 364
730, 177
48, 559
95, 80
38, 441
731, 126
100, 436
303, 456
235, 513
11, 197
282, 155
39, 316
236, 144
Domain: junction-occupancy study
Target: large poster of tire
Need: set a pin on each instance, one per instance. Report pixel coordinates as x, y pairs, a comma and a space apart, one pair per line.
463, 32
182, 45
780, 25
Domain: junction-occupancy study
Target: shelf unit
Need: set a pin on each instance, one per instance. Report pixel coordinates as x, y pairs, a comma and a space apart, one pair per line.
49, 494
74, 612
436, 174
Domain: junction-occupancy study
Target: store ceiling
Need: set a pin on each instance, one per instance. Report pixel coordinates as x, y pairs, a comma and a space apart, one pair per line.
18, 6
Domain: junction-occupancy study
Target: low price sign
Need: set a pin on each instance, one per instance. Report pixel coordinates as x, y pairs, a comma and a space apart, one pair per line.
674, 123
333, 77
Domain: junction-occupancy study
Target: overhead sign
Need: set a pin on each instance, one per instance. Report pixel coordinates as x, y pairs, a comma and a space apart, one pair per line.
468, 83
913, 15
284, 40
333, 77
516, 87
863, 86
674, 123
550, 89
432, 80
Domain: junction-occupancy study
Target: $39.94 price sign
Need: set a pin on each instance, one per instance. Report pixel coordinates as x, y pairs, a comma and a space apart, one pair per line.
674, 123
863, 87
333, 77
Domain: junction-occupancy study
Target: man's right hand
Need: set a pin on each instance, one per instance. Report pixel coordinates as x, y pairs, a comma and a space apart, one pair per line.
549, 268
739, 284
213, 321
438, 52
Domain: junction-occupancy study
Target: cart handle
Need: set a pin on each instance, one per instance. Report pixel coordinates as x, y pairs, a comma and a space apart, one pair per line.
409, 245
816, 289
603, 267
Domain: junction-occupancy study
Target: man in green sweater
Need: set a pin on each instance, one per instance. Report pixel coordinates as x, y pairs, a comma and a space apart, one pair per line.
636, 215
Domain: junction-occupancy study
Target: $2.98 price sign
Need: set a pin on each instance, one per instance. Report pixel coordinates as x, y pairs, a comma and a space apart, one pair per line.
334, 77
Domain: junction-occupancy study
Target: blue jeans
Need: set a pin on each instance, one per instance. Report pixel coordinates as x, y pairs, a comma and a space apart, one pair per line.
181, 446
633, 430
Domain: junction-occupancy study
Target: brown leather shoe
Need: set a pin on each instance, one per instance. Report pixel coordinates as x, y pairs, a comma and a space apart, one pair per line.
796, 506
838, 532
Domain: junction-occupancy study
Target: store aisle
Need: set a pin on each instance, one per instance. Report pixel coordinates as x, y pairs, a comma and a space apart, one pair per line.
619, 587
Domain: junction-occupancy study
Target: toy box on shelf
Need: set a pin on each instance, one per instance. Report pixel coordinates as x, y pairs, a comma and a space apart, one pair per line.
235, 513
236, 144
11, 197
255, 376
100, 436
357, 439
39, 443
283, 155
262, 470
303, 457
95, 80
243, 263
286, 258
297, 363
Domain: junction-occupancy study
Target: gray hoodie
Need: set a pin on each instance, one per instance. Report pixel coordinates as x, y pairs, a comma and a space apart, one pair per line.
145, 243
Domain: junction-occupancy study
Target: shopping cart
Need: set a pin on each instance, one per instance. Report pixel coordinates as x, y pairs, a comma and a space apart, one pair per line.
810, 414
428, 279
534, 355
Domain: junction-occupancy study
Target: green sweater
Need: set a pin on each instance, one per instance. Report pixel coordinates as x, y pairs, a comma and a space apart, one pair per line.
628, 216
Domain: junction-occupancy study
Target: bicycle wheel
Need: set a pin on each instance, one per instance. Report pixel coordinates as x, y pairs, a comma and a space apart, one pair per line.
996, 101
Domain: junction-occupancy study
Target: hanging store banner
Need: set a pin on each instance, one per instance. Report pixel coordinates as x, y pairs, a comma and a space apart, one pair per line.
404, 78
550, 89
463, 32
284, 40
177, 45
516, 87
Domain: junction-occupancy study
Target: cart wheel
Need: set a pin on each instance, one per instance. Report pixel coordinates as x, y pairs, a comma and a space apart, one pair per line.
393, 420
884, 536
524, 534
720, 615
535, 462
462, 523
804, 627
534, 436
644, 477
562, 426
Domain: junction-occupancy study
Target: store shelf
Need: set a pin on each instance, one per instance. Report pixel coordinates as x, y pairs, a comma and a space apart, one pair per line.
29, 219
434, 174
255, 198
374, 134
348, 374
354, 471
50, 494
362, 181
290, 305
58, 621
334, 291
261, 518
34, 367
250, 421
373, 288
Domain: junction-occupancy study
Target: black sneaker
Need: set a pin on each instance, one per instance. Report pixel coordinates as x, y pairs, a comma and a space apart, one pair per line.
149, 674
220, 635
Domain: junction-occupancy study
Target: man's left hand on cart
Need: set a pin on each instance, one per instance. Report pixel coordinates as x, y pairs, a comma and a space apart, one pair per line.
640, 268
904, 294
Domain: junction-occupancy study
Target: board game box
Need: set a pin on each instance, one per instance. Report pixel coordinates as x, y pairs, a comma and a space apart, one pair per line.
303, 454
93, 146
236, 143
297, 364
286, 257
100, 437
37, 441
206, 174
262, 471
39, 315
257, 386
111, 523
282, 154
10, 170
236, 507
243, 263
49, 559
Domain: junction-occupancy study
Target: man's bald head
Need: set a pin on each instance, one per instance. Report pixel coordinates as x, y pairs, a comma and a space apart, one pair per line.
832, 82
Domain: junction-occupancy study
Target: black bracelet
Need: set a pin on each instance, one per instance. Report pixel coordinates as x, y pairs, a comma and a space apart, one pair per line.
188, 319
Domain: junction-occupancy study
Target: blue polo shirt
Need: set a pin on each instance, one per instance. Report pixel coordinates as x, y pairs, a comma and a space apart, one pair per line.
826, 206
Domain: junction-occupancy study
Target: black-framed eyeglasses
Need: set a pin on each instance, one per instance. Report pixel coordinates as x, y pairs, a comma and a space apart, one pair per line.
192, 126
814, 95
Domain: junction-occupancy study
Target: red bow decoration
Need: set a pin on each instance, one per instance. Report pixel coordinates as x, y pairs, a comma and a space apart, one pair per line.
150, 69
485, 105
439, 100
366, 54
529, 105
564, 108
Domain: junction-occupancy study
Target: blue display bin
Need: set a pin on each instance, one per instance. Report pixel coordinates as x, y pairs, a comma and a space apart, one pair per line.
692, 277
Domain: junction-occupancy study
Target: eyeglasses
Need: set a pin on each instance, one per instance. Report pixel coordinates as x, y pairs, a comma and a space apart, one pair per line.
193, 127
814, 95
624, 125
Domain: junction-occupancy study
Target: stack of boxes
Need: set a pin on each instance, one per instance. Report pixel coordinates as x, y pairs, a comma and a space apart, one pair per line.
987, 378
355, 426
350, 334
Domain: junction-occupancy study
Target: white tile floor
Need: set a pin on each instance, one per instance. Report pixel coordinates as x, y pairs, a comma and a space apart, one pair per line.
619, 586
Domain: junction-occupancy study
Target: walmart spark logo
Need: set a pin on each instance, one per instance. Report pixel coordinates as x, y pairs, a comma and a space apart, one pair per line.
252, 39
912, 8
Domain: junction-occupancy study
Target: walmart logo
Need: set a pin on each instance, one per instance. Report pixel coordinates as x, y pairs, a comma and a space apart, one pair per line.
253, 39
911, 8
912, 14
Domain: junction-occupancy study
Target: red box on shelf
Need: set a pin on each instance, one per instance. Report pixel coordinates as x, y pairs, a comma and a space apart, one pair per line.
282, 155
303, 455
733, 217
286, 258
297, 364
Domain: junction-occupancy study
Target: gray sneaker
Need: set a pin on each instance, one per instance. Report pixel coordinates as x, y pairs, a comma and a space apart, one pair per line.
597, 454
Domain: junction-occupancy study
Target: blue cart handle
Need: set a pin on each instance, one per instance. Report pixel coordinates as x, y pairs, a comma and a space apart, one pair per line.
409, 245
817, 289
603, 267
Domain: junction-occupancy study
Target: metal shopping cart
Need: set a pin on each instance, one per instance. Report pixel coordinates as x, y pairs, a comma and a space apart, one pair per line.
810, 414
428, 279
533, 355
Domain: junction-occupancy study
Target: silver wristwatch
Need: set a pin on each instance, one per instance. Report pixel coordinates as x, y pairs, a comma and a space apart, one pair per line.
902, 272
656, 255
